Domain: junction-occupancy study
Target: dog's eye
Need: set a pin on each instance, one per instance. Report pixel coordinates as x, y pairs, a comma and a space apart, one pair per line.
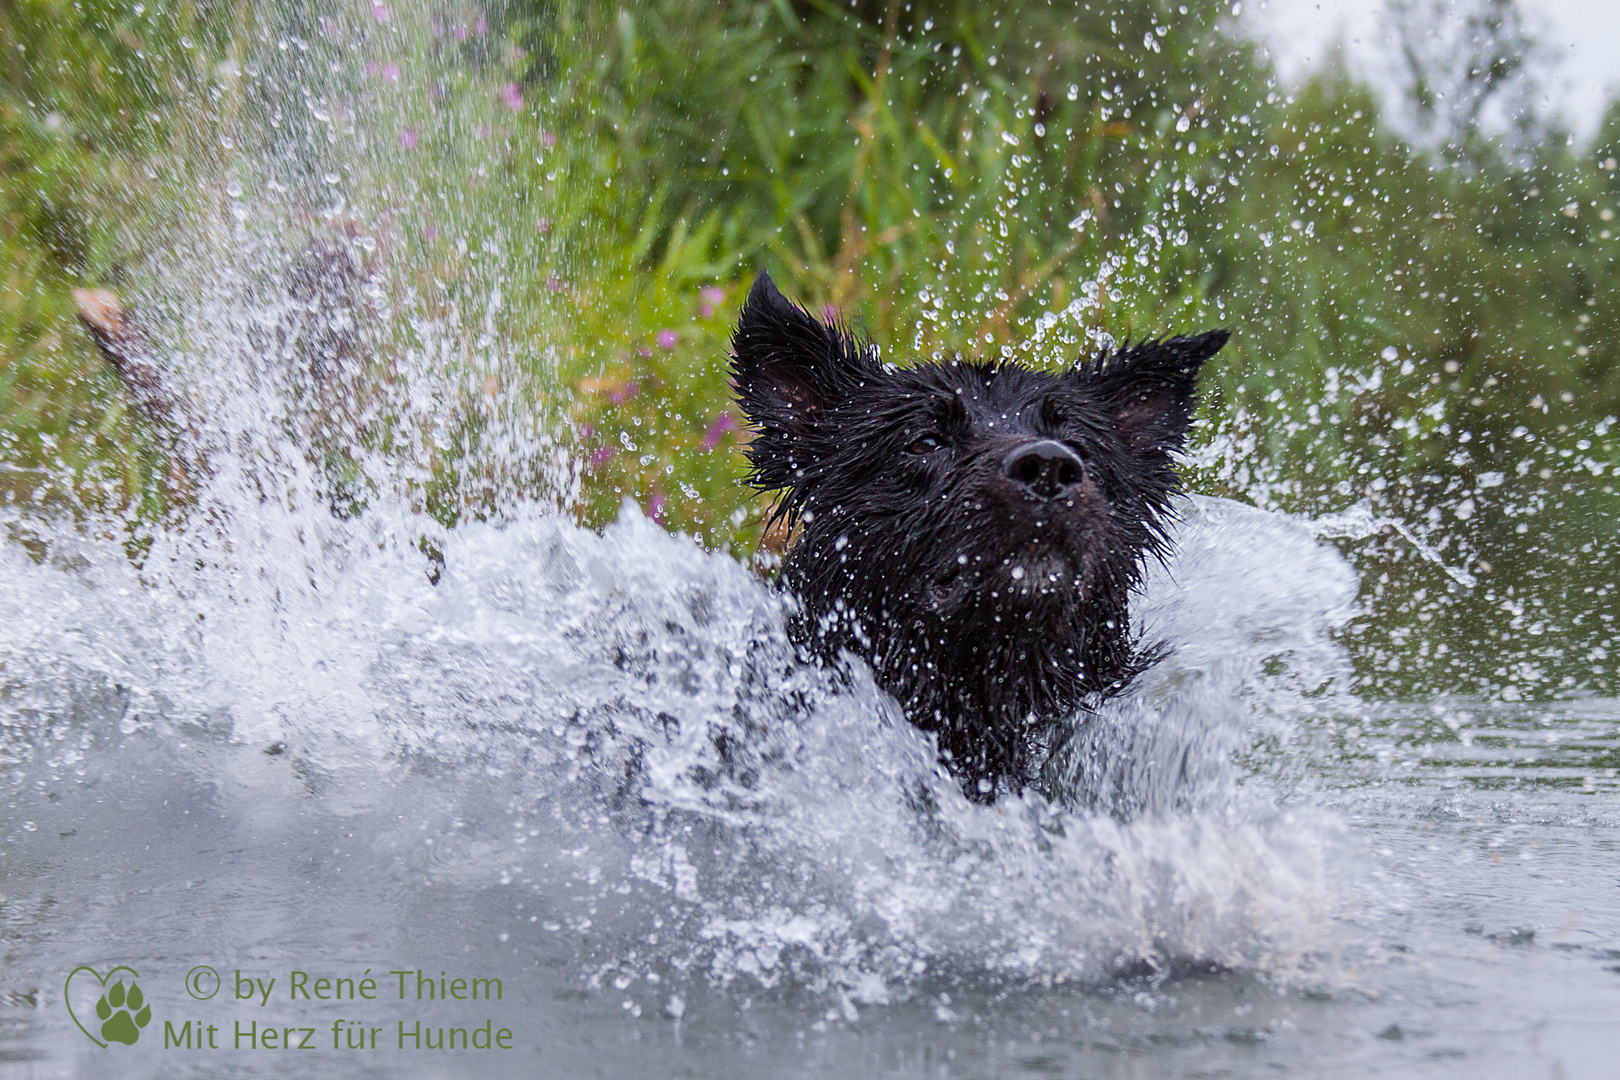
1053, 414
925, 445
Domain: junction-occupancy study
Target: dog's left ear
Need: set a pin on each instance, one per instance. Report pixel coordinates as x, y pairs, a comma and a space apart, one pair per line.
789, 368
786, 364
1152, 387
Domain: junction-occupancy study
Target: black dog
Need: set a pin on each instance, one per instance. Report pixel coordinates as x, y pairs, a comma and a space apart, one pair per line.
972, 531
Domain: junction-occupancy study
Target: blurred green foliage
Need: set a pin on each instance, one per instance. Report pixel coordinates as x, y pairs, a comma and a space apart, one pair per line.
1426, 315
87, 98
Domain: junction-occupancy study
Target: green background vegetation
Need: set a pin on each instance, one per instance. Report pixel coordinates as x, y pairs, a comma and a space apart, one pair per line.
1424, 304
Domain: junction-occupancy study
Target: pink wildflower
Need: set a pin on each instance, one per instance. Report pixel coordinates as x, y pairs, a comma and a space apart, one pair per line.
431, 233
602, 455
461, 31
548, 139
391, 72
711, 298
513, 96
379, 12
655, 507
723, 423
621, 394
481, 26
544, 225
408, 139
668, 339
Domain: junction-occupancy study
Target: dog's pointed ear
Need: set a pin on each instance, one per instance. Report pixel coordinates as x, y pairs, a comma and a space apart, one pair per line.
788, 366
1151, 388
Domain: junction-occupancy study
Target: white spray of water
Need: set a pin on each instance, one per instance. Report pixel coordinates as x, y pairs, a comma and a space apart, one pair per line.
745, 815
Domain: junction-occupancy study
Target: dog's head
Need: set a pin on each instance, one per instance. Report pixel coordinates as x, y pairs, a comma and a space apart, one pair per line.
963, 521
984, 478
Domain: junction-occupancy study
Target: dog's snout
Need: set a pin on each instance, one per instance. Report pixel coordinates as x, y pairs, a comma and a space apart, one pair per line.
1046, 469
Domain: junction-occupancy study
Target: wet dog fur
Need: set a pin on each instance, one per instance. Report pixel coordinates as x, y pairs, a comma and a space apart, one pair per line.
971, 531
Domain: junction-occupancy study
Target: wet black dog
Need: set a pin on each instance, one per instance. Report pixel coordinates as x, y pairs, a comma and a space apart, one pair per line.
972, 531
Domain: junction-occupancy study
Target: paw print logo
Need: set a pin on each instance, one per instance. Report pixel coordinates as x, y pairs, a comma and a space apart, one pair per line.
120, 1011
123, 1013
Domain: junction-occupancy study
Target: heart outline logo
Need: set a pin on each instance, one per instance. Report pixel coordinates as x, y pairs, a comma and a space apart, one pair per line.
102, 981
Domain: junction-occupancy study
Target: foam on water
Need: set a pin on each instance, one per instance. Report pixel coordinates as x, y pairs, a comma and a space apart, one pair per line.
681, 793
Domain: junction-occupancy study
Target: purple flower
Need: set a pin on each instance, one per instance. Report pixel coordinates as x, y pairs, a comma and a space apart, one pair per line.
379, 12
585, 431
512, 94
544, 225
723, 423
329, 26
481, 26
431, 233
461, 31
668, 339
602, 455
548, 139
391, 72
407, 141
554, 283
371, 69
655, 506
712, 298
621, 394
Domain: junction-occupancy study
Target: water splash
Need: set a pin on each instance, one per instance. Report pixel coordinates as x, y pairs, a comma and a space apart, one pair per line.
667, 772
1359, 522
617, 722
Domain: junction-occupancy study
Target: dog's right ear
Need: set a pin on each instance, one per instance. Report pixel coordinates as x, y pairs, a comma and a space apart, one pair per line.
789, 368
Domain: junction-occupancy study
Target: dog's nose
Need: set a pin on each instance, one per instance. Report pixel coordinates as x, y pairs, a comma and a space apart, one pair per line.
1046, 469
